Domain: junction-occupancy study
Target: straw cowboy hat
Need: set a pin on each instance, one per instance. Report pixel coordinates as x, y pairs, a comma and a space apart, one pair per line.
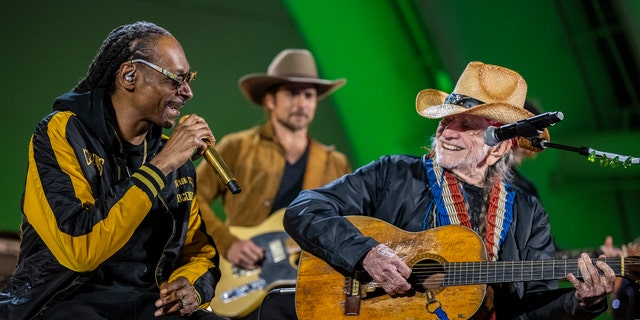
290, 65
484, 90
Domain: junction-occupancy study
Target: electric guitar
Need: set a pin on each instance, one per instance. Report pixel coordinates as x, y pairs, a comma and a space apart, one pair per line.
630, 249
240, 291
449, 274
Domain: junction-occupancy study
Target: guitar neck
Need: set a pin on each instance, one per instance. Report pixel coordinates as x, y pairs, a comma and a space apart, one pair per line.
486, 272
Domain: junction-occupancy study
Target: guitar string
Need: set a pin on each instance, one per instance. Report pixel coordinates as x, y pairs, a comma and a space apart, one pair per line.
531, 267
471, 266
535, 263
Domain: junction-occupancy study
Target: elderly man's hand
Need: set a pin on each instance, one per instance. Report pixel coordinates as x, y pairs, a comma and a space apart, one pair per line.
387, 269
594, 287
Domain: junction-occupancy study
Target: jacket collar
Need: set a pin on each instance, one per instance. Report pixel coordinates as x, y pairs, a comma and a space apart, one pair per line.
317, 160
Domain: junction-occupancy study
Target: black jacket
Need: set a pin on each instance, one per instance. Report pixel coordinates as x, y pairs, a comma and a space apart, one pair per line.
396, 189
91, 216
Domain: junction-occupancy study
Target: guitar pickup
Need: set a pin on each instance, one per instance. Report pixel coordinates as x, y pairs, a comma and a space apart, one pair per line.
277, 250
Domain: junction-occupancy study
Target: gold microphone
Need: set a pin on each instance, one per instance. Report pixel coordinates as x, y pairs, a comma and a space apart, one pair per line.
219, 166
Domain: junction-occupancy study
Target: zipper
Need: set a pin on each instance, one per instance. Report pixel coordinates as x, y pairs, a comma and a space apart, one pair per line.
173, 233
39, 314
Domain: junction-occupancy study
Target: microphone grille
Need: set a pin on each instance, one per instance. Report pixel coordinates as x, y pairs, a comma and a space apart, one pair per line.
489, 136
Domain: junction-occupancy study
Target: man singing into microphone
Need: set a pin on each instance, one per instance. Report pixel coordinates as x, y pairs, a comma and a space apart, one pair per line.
461, 181
110, 229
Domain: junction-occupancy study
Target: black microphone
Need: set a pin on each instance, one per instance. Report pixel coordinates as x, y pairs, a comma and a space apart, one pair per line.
528, 128
219, 166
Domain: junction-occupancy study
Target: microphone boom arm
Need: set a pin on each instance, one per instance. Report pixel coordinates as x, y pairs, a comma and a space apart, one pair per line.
607, 158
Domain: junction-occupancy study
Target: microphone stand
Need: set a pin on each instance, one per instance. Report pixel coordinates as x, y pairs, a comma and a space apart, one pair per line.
606, 158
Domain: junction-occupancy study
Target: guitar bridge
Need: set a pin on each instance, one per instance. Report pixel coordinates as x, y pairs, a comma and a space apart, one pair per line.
241, 291
239, 272
353, 292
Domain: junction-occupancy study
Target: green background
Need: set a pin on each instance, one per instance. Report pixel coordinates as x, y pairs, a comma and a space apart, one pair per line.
388, 51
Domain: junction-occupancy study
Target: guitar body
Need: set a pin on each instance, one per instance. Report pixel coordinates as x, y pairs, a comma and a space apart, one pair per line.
241, 291
320, 290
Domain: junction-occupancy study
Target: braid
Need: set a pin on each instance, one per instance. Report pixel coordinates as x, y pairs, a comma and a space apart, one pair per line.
123, 43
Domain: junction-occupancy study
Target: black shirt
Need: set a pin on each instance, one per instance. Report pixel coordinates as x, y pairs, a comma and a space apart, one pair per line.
291, 183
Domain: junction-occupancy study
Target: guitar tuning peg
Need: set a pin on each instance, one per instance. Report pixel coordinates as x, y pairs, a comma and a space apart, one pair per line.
592, 156
627, 163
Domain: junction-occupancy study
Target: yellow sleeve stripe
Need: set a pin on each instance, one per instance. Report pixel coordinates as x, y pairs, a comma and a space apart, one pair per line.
149, 179
155, 176
149, 186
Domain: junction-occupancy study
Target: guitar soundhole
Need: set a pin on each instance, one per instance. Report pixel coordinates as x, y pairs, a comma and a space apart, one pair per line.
427, 275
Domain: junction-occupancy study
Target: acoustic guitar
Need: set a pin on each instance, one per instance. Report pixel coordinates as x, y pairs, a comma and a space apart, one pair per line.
240, 291
449, 274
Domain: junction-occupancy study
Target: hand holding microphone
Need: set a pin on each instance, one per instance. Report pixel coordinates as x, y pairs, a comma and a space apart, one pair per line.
219, 166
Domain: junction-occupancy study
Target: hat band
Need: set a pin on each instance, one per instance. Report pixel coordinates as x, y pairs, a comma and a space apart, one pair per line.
462, 100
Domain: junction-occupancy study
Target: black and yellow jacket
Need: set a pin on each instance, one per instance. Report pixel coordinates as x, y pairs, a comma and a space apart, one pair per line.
90, 216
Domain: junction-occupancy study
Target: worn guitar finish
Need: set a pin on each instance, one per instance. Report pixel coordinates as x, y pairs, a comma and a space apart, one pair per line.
449, 270
240, 291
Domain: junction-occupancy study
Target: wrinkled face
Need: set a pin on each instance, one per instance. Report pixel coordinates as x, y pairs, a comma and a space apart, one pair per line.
293, 105
159, 98
459, 143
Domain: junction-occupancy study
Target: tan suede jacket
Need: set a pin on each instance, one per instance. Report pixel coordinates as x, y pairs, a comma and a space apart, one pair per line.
257, 161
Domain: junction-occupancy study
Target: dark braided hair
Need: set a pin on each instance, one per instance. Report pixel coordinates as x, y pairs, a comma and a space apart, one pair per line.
127, 42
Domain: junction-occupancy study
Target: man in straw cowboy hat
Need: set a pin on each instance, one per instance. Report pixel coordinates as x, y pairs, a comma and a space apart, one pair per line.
272, 162
461, 181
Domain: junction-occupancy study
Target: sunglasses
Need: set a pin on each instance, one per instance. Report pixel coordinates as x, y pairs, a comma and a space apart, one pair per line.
179, 78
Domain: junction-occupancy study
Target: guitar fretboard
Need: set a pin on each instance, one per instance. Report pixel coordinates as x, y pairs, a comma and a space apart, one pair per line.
485, 272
